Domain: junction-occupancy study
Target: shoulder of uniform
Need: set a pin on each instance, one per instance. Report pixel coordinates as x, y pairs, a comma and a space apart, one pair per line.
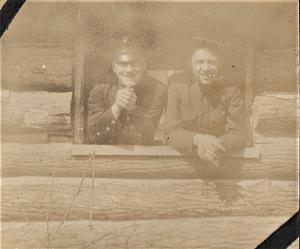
156, 84
232, 88
101, 87
181, 78
154, 80
100, 90
232, 91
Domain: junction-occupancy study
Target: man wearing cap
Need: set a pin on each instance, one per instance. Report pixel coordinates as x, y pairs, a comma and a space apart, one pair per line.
126, 111
204, 112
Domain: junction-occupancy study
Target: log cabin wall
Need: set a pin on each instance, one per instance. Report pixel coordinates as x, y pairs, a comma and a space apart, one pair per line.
43, 81
36, 74
149, 201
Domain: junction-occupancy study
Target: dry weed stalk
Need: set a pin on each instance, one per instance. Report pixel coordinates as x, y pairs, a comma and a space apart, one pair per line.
93, 191
73, 198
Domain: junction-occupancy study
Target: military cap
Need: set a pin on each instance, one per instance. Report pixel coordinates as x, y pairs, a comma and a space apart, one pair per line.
219, 48
125, 45
228, 54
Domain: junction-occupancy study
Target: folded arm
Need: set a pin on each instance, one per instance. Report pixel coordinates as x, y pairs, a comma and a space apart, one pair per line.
177, 137
235, 135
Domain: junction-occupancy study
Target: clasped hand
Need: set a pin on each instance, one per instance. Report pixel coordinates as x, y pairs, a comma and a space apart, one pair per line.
209, 148
125, 99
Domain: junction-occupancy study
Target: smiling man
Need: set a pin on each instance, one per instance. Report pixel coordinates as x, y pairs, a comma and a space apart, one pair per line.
127, 110
204, 112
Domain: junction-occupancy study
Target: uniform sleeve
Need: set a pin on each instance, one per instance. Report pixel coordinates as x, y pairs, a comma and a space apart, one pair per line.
235, 135
102, 125
173, 133
151, 120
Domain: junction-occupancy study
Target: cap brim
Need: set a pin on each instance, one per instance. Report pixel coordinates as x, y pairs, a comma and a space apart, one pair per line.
127, 54
207, 43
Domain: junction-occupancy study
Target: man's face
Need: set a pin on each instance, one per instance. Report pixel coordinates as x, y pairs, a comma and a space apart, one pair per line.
129, 69
205, 66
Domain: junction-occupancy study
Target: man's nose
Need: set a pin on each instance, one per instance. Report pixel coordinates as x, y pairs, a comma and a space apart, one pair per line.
205, 66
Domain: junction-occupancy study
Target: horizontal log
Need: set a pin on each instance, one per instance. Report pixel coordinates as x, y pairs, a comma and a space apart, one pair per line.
38, 137
278, 160
156, 151
275, 113
37, 66
27, 198
210, 233
35, 111
279, 155
60, 137
276, 70
29, 138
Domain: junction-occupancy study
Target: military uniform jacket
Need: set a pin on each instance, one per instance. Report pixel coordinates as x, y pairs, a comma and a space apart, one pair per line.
192, 109
137, 127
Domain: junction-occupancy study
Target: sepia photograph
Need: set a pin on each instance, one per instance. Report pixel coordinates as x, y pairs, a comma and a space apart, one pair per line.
149, 124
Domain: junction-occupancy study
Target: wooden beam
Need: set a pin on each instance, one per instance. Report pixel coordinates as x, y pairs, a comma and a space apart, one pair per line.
26, 198
210, 233
278, 160
78, 87
148, 151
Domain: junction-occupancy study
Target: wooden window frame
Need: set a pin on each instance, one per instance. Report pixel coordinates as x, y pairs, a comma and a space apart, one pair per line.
79, 88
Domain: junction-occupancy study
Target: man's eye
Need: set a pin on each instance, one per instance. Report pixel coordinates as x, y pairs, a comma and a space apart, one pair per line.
201, 62
126, 64
122, 64
136, 64
213, 63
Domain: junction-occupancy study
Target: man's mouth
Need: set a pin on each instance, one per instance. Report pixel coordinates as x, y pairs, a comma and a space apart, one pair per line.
208, 75
131, 75
129, 79
128, 76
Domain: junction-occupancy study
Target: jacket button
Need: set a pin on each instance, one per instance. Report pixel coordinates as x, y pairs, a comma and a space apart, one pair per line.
113, 122
98, 133
107, 128
128, 118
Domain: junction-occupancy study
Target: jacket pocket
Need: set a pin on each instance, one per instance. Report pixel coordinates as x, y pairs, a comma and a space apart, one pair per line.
188, 115
218, 121
218, 116
189, 120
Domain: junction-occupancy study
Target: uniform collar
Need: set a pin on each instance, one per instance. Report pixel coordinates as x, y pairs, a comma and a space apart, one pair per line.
213, 93
210, 90
143, 85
